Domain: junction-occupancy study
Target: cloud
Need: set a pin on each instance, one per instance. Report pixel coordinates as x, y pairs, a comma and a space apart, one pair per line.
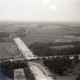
49, 3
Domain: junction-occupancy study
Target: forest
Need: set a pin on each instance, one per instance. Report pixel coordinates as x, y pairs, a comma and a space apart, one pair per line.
43, 49
59, 65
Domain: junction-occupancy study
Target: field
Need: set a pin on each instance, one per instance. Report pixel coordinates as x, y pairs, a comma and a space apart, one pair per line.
8, 50
45, 32
38, 32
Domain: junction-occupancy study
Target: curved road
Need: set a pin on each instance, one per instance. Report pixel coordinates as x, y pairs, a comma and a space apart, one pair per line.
39, 71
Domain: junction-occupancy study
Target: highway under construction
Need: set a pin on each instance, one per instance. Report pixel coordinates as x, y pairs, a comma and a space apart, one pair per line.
37, 68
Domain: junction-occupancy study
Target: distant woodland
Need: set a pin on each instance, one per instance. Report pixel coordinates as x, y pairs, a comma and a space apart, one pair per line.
4, 34
43, 49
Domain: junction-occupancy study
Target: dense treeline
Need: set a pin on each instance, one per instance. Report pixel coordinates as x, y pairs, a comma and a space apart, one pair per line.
8, 73
28, 74
4, 34
7, 68
61, 65
43, 49
50, 44
58, 65
14, 64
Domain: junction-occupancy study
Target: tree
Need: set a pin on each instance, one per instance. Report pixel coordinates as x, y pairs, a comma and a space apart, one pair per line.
76, 58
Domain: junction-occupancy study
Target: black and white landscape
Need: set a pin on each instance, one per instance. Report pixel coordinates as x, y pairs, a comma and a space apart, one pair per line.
57, 44
39, 39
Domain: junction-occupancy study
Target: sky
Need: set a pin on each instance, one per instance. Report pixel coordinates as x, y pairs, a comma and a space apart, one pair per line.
40, 10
